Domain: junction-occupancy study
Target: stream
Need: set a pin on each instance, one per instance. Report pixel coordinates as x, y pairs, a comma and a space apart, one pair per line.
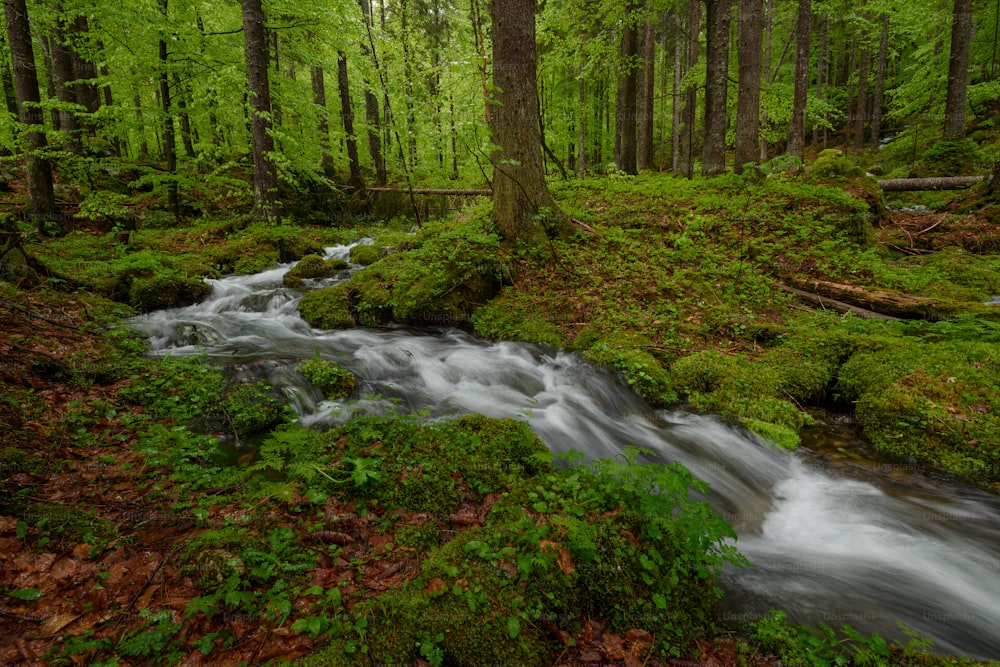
835, 537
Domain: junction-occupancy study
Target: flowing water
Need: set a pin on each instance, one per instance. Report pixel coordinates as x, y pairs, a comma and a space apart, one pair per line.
836, 537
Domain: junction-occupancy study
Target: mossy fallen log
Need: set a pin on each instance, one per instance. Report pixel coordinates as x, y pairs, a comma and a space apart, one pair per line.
880, 302
934, 183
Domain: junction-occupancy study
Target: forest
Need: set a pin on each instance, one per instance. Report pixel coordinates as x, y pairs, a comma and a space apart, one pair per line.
500, 332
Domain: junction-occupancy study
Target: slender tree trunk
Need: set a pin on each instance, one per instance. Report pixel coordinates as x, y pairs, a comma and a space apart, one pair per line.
7, 79
520, 192
766, 67
851, 99
581, 129
141, 129
717, 77
411, 117
628, 81
862, 106
41, 197
821, 68
675, 126
85, 69
454, 138
879, 101
797, 126
825, 66
644, 153
169, 141
751, 29
372, 118
187, 133
691, 95
265, 173
318, 78
958, 69
62, 74
347, 114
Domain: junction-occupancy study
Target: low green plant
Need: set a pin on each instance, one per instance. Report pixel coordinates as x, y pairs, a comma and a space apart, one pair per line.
332, 379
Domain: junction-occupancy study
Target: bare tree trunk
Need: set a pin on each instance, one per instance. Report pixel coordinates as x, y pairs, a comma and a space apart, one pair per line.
61, 75
883, 47
265, 172
644, 153
454, 138
581, 130
187, 134
958, 69
7, 79
691, 95
318, 78
347, 115
84, 68
797, 126
766, 67
169, 141
751, 29
372, 118
520, 192
628, 80
862, 106
717, 77
675, 126
41, 197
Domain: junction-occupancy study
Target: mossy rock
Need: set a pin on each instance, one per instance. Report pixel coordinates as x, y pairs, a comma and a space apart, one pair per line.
327, 308
496, 321
209, 569
365, 255
832, 163
309, 267
250, 408
332, 379
628, 353
159, 292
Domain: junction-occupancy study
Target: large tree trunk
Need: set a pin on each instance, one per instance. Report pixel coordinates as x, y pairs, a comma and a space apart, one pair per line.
647, 94
347, 114
879, 101
322, 123
958, 69
372, 117
519, 189
797, 126
41, 198
265, 172
751, 30
717, 77
169, 140
628, 80
691, 95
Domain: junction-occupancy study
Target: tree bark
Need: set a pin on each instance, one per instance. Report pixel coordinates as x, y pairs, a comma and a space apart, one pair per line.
169, 140
691, 95
751, 30
265, 172
934, 183
62, 74
675, 126
879, 101
187, 133
717, 77
861, 113
7, 79
372, 117
644, 131
797, 126
41, 197
520, 192
347, 114
581, 130
958, 70
318, 78
628, 80
87, 93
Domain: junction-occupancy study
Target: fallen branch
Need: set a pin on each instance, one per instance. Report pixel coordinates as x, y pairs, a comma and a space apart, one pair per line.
936, 183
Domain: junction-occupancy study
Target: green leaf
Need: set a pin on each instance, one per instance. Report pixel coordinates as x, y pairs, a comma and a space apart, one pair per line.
22, 529
26, 594
513, 627
659, 600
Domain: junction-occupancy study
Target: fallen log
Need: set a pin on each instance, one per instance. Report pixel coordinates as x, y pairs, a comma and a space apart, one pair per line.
936, 183
893, 304
833, 304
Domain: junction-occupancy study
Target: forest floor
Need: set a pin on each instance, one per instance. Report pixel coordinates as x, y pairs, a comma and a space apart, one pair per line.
102, 511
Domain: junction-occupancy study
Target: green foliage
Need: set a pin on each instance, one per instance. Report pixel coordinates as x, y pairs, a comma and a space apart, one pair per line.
365, 254
175, 388
332, 379
311, 267
958, 157
328, 308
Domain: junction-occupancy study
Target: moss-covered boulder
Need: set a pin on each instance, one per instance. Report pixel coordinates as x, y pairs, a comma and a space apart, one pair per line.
365, 254
312, 267
260, 246
165, 291
332, 379
327, 308
246, 409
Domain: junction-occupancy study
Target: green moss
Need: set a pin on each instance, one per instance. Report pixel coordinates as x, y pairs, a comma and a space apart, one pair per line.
958, 157
365, 254
627, 352
332, 379
166, 291
250, 408
309, 267
505, 323
327, 308
832, 163
782, 436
